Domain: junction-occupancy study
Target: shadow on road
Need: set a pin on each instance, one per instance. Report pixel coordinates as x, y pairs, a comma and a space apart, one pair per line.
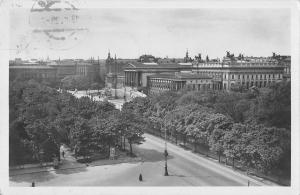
68, 171
150, 155
45, 175
33, 177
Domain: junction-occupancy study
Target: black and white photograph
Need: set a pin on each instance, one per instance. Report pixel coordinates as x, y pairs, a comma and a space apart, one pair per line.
109, 94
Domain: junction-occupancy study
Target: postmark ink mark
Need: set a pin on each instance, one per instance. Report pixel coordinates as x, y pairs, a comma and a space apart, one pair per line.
59, 24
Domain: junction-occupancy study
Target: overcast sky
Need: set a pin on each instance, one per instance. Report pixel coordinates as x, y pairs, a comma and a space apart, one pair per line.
161, 32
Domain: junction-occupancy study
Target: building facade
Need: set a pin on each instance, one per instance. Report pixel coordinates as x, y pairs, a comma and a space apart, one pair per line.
284, 61
56, 70
64, 68
177, 81
136, 73
242, 71
232, 71
32, 72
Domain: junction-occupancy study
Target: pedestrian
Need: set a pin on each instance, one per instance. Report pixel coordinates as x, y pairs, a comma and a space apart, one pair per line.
32, 184
63, 154
140, 177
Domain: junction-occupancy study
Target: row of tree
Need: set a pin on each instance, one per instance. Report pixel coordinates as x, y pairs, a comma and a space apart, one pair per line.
41, 119
251, 127
78, 82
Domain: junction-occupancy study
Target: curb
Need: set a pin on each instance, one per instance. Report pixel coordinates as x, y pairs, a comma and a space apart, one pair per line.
137, 159
50, 170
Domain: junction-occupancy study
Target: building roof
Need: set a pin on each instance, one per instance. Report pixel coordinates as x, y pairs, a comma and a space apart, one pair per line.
185, 63
62, 63
83, 64
165, 65
30, 67
68, 63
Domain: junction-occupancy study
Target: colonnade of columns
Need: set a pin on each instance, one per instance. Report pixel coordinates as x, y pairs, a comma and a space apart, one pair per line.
166, 84
261, 83
171, 85
132, 79
217, 86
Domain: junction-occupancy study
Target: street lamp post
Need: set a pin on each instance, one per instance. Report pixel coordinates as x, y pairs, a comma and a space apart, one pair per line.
166, 155
166, 150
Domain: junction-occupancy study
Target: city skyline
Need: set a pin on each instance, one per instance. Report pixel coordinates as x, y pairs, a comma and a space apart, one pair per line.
138, 93
164, 32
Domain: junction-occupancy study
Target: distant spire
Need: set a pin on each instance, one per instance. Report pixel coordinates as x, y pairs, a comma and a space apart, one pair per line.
187, 53
108, 54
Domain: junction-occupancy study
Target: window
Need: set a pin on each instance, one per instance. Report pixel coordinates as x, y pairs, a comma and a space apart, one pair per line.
239, 77
261, 76
251, 76
265, 76
232, 76
256, 76
247, 76
269, 76
273, 76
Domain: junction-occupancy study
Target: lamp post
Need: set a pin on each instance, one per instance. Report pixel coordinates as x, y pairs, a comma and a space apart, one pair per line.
166, 152
124, 92
166, 155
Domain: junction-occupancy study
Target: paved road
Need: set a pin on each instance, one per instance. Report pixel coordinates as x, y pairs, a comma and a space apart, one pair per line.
185, 169
193, 169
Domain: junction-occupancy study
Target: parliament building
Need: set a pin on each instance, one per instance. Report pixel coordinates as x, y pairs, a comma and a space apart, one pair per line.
225, 74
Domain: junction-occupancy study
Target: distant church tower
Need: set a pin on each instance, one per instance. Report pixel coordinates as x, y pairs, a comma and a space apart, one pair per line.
187, 58
109, 63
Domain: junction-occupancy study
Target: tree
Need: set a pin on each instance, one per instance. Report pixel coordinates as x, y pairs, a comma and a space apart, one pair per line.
81, 135
274, 106
133, 124
216, 142
271, 144
232, 141
232, 104
76, 82
218, 125
43, 140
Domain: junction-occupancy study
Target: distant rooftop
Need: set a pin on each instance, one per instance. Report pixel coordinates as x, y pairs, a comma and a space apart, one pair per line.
151, 65
68, 63
185, 63
30, 67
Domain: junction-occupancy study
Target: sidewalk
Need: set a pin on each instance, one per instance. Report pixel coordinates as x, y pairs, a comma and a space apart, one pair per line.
70, 162
67, 162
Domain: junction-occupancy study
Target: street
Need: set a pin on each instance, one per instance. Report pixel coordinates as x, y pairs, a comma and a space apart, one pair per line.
184, 167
